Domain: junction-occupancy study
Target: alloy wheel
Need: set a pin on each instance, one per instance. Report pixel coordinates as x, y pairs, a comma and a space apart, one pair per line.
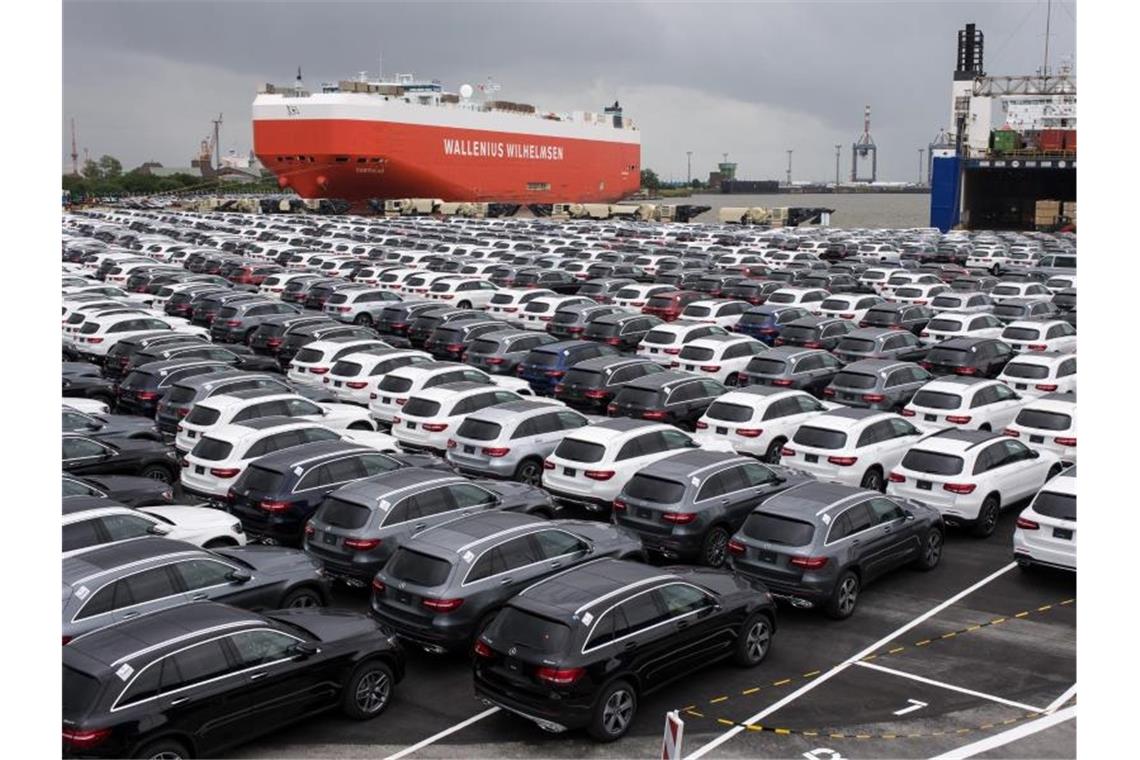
618, 711
715, 553
848, 592
372, 691
933, 549
304, 601
758, 639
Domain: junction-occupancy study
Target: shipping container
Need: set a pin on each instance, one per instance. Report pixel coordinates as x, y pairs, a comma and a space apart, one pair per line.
1071, 140
1051, 140
1004, 141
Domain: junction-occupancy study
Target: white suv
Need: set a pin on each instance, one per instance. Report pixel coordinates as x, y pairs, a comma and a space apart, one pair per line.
965, 402
809, 298
955, 324
721, 357
1030, 335
636, 296
1048, 423
759, 419
856, 447
355, 376
396, 387
202, 526
431, 416
507, 303
1046, 532
970, 476
591, 466
664, 342
314, 360
463, 291
962, 303
721, 312
357, 305
850, 306
96, 337
1035, 374
539, 311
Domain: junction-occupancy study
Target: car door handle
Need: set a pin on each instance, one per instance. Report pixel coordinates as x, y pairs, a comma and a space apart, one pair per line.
256, 676
505, 581
130, 615
419, 527
631, 645
556, 564
179, 701
682, 624
199, 596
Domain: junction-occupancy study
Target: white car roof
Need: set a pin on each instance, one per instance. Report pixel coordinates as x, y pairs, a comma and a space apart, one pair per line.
224, 403
1062, 484
1046, 358
237, 432
607, 434
1052, 403
444, 395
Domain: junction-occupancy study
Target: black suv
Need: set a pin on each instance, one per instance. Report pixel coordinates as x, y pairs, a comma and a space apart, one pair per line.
590, 385
898, 316
580, 649
679, 398
621, 330
687, 505
975, 357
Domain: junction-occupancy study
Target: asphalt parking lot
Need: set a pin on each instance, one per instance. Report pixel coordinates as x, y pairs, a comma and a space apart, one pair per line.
998, 650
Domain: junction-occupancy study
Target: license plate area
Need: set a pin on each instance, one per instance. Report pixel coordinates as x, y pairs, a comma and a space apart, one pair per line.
924, 485
403, 597
329, 538
811, 458
1037, 439
930, 417
468, 449
387, 399
1063, 533
722, 431
199, 469
337, 383
767, 555
569, 472
411, 426
1021, 386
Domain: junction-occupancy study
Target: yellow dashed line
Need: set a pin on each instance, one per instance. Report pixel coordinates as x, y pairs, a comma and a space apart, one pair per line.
810, 733
813, 673
985, 726
781, 683
973, 628
717, 699
870, 657
835, 736
1021, 614
950, 635
862, 736
896, 650
783, 731
753, 690
695, 714
1068, 601
887, 736
922, 643
998, 621
1042, 609
754, 728
686, 709
964, 730
725, 722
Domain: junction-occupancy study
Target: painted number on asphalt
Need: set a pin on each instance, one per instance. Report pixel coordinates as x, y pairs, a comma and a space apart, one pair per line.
823, 753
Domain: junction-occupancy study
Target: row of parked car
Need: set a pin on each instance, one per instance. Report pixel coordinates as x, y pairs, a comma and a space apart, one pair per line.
498, 437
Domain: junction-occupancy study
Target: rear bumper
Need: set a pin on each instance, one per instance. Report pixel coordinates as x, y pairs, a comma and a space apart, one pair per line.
549, 716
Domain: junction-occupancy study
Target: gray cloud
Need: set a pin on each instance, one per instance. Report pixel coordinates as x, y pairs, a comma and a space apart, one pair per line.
143, 80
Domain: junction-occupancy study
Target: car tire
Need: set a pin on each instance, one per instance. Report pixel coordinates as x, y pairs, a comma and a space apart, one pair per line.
987, 517
985, 427
733, 380
163, 749
360, 426
772, 455
754, 641
714, 549
844, 597
157, 472
613, 712
1054, 471
301, 598
463, 305
219, 543
530, 472
247, 339
873, 480
931, 552
364, 320
368, 690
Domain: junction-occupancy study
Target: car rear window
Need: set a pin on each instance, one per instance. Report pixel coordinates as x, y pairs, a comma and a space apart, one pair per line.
180, 394
857, 345
565, 317
946, 302
589, 377
944, 325
1006, 290
309, 356
347, 369
421, 407
417, 568
138, 379
1044, 420
212, 449
696, 353
778, 530
203, 415
793, 333
537, 634
80, 690
834, 304
1009, 310
502, 298
656, 490
579, 451
1048, 504
629, 294
855, 380
697, 311
393, 384
726, 412
227, 311
932, 462
479, 430
759, 366
663, 302
937, 400
261, 480
659, 337
543, 358
820, 438
1026, 371
343, 514
1021, 333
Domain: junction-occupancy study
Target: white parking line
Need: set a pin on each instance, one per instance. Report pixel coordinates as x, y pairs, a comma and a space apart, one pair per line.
1061, 699
949, 687
446, 732
700, 751
1012, 735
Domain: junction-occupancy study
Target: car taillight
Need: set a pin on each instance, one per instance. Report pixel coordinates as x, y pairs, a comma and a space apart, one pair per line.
435, 427
873, 398
959, 488
1065, 441
1050, 387
482, 650
1011, 432
1036, 346
920, 302
224, 472
808, 563
702, 425
273, 342
653, 414
361, 544
233, 323
554, 373
94, 340
864, 323
559, 676
495, 360
843, 461
547, 464
273, 505
356, 385
599, 474
966, 370
778, 342
613, 341
496, 451
378, 586
673, 351
442, 605
454, 347
66, 640
784, 382
318, 370
896, 327
812, 344
735, 547
907, 412
310, 530
847, 316
679, 518
79, 739
451, 443
559, 388
146, 395
1027, 524
619, 505
710, 368
786, 452
955, 419
401, 401
895, 477
596, 393
749, 432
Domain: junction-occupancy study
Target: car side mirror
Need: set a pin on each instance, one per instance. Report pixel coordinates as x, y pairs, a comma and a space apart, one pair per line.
305, 649
158, 530
909, 515
239, 576
1034, 454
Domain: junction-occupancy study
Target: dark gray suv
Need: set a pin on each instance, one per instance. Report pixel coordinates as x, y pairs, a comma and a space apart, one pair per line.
818, 544
686, 506
236, 322
442, 587
877, 384
879, 343
358, 526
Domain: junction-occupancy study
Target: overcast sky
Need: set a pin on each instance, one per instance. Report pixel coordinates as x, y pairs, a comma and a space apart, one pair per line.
144, 80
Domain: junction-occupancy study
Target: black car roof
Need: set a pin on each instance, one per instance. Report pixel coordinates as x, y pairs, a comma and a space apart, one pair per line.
686, 463
573, 592
609, 362
109, 556
659, 380
786, 352
378, 486
560, 346
307, 453
74, 504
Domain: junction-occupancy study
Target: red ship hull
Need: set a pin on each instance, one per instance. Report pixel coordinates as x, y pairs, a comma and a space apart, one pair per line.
357, 160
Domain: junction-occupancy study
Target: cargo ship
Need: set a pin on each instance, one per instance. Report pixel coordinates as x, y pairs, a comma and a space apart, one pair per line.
1021, 175
364, 139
